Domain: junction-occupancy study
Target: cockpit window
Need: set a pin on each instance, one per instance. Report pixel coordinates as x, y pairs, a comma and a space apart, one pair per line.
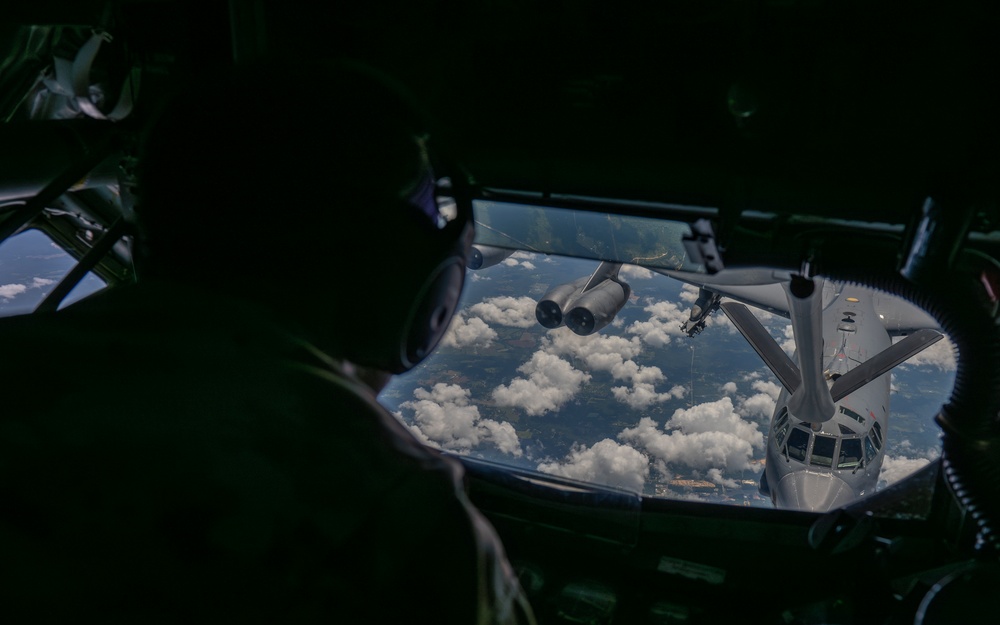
822, 452
870, 450
621, 238
31, 265
636, 403
850, 453
850, 413
798, 442
781, 426
877, 435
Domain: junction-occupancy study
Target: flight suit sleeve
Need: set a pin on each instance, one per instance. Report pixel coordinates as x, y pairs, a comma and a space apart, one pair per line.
448, 551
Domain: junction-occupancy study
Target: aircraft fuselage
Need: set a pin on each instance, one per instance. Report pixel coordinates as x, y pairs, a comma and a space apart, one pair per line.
821, 466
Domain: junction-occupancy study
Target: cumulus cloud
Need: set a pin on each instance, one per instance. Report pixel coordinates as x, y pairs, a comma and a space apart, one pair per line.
689, 293
897, 468
444, 418
788, 343
729, 388
762, 403
516, 312
771, 389
471, 332
665, 322
520, 259
706, 436
606, 462
614, 355
715, 476
643, 394
599, 351
550, 383
635, 272
9, 291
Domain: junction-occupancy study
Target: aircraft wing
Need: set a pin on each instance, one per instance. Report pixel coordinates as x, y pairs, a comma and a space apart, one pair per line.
762, 288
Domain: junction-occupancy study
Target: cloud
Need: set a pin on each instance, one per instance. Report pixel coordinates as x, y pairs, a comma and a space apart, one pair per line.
516, 312
706, 436
689, 293
897, 468
635, 272
788, 344
771, 389
606, 462
665, 322
763, 402
642, 395
715, 475
550, 383
468, 333
761, 405
443, 417
599, 351
614, 354
520, 259
729, 388
10, 291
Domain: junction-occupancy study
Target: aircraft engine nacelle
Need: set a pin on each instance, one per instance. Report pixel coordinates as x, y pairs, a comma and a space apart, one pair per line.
596, 308
549, 309
483, 256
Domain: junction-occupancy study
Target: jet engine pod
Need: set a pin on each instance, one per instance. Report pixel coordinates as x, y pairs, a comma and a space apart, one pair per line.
483, 256
549, 309
596, 308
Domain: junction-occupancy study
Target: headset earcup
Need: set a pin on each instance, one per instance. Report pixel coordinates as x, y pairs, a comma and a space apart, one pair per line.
432, 310
412, 290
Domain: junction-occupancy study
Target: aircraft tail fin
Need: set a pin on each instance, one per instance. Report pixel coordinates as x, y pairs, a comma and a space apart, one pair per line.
766, 347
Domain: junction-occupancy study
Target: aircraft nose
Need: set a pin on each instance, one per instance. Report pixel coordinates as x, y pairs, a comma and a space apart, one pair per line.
815, 492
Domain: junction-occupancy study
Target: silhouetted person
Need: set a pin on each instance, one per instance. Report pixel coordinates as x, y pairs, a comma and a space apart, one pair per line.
197, 446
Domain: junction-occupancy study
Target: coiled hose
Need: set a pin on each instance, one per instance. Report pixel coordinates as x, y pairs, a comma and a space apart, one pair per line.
970, 459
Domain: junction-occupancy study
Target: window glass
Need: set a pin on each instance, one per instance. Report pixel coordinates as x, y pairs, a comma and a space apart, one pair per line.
782, 418
850, 413
870, 450
798, 442
636, 405
877, 435
31, 265
823, 449
780, 434
850, 453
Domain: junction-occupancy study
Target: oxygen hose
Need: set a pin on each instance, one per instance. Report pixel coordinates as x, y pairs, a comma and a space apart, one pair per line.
970, 459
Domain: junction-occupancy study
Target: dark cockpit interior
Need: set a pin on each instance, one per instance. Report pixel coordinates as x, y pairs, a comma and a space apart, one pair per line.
858, 139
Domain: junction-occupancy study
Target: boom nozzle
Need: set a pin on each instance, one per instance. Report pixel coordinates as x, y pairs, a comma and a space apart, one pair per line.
811, 401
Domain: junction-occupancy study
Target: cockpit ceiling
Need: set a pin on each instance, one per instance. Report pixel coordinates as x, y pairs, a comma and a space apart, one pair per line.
842, 109
853, 110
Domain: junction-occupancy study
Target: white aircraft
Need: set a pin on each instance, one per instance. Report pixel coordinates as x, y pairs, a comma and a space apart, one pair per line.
829, 427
